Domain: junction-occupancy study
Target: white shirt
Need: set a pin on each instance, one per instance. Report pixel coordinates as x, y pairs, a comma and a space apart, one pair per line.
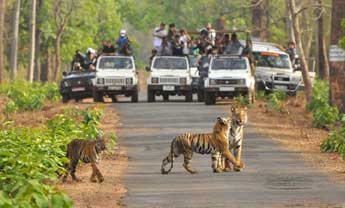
184, 40
157, 41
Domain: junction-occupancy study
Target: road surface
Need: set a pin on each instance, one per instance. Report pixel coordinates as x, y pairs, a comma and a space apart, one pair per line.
273, 177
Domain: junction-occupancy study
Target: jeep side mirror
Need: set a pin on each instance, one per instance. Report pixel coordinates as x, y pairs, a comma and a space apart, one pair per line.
64, 73
147, 68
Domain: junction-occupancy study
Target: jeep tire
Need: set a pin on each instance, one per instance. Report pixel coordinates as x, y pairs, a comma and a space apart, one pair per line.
165, 97
210, 98
201, 96
97, 97
135, 96
150, 96
65, 98
189, 96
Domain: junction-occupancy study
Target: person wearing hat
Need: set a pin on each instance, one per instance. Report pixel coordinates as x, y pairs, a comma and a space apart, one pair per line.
122, 39
158, 35
90, 60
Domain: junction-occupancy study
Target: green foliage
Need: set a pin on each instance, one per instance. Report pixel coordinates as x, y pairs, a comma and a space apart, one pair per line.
342, 40
276, 101
336, 141
242, 100
261, 95
25, 96
29, 158
324, 115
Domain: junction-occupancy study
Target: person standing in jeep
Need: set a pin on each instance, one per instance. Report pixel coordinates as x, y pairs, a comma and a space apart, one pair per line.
158, 35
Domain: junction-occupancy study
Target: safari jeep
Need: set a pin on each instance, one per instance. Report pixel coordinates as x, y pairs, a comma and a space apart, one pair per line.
115, 75
229, 76
76, 84
169, 76
274, 70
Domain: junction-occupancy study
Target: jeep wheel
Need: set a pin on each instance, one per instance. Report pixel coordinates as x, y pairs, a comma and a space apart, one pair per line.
189, 96
77, 100
210, 98
113, 99
201, 96
97, 97
65, 98
135, 96
150, 96
166, 97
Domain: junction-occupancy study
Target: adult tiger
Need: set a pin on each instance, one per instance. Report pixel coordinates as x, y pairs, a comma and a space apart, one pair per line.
210, 143
239, 118
87, 151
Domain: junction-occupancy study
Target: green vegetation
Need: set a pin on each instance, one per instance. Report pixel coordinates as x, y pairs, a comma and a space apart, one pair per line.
336, 141
31, 159
324, 115
25, 96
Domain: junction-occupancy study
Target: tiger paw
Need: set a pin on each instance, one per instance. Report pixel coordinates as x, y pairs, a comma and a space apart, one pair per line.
226, 169
217, 170
93, 180
100, 179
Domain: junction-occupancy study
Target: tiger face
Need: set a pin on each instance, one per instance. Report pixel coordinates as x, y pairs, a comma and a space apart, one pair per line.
239, 115
100, 144
222, 125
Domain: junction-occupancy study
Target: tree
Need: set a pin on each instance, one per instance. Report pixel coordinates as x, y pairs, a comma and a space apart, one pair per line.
62, 12
2, 28
291, 5
32, 40
14, 46
260, 19
337, 75
323, 67
289, 27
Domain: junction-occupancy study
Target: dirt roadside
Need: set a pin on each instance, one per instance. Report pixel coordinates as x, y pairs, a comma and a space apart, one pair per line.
113, 163
293, 130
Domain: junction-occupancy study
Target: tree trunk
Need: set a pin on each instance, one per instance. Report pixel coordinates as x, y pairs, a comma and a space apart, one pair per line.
337, 61
2, 28
304, 64
289, 27
57, 55
32, 40
260, 19
14, 45
323, 69
37, 72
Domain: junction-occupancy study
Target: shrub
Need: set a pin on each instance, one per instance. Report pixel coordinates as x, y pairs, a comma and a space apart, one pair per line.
324, 115
336, 141
276, 101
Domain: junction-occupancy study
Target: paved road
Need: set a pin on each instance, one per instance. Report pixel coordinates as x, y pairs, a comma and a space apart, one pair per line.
273, 177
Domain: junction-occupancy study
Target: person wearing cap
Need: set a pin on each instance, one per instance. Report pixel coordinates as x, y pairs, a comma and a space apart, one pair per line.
122, 39
90, 60
158, 35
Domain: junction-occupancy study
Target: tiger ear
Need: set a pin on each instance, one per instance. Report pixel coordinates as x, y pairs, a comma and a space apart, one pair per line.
220, 120
232, 109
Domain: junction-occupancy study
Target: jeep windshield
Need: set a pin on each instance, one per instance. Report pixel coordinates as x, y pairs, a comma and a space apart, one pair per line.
115, 63
193, 61
272, 60
170, 63
229, 64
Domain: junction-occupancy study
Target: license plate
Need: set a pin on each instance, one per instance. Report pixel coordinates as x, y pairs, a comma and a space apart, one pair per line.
168, 88
226, 89
114, 88
280, 87
78, 89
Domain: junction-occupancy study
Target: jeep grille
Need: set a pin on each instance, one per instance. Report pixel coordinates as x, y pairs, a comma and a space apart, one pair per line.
114, 81
228, 82
169, 80
282, 79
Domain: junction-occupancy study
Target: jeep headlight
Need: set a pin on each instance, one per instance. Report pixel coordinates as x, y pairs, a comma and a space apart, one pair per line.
100, 80
129, 81
212, 82
154, 80
65, 83
183, 80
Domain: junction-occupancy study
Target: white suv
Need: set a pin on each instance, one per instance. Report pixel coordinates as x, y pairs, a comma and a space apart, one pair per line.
115, 75
229, 76
169, 76
274, 71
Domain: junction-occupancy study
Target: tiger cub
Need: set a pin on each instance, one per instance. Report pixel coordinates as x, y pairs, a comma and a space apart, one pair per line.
239, 118
210, 143
87, 151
